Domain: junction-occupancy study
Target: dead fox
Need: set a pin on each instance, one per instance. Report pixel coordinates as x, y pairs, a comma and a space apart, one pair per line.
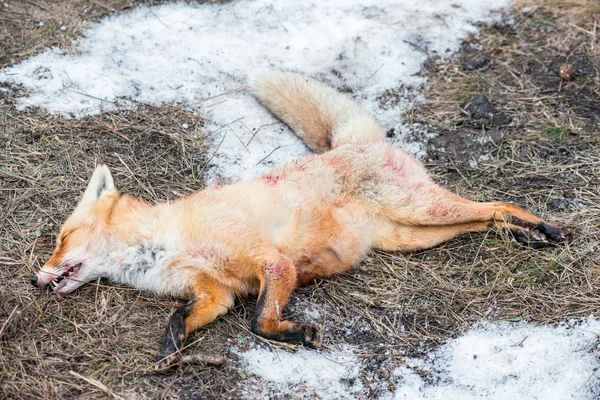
313, 218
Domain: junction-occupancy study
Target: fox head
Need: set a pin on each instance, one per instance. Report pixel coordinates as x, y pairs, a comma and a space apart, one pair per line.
83, 239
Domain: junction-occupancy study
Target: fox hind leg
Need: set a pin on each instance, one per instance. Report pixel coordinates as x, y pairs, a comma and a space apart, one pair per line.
397, 237
448, 209
278, 280
416, 238
525, 227
424, 229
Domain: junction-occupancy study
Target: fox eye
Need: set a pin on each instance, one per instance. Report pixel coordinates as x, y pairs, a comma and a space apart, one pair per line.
62, 239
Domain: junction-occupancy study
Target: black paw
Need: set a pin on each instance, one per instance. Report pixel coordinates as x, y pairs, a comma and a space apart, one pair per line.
166, 362
554, 233
312, 336
530, 237
537, 234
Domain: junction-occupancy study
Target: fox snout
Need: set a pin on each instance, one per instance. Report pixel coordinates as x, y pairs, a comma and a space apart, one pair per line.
64, 278
44, 276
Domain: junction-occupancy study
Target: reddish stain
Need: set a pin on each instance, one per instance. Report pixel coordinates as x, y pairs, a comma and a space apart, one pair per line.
438, 211
272, 180
301, 167
219, 184
433, 191
275, 270
391, 162
334, 161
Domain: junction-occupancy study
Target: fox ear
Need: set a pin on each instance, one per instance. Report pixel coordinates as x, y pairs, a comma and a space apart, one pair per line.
100, 184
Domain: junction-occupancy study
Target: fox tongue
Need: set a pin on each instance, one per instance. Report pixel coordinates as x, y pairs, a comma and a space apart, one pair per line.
61, 284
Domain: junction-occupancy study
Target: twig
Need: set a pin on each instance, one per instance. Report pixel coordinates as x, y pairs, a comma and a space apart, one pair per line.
116, 132
156, 304
588, 379
105, 6
213, 154
8, 319
89, 95
156, 16
583, 30
376, 71
148, 189
258, 130
520, 344
269, 155
98, 384
204, 359
35, 3
416, 46
221, 94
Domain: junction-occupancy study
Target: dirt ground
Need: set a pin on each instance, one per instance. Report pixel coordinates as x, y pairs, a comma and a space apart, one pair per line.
517, 111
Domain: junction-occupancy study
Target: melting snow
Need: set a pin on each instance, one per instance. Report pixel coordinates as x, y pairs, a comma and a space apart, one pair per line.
496, 361
201, 55
328, 375
509, 361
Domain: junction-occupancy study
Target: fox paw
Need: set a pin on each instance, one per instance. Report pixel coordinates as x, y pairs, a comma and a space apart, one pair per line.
530, 237
164, 362
554, 233
537, 234
541, 235
312, 336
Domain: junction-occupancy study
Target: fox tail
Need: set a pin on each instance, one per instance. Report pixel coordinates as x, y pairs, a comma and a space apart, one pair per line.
319, 115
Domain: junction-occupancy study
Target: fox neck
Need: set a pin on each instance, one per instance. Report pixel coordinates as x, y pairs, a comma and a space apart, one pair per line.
135, 255
144, 266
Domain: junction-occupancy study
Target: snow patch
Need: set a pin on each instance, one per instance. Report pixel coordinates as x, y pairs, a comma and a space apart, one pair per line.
509, 361
495, 361
201, 54
328, 375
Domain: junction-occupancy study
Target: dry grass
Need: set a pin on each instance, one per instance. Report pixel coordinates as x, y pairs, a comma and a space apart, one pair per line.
28, 27
548, 161
521, 77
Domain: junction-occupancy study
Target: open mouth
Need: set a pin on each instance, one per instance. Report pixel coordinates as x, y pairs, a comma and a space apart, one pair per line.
61, 280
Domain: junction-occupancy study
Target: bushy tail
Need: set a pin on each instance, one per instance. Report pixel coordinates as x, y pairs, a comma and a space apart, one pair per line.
322, 117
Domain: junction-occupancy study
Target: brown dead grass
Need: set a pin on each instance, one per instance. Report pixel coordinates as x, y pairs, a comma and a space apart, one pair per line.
28, 27
45, 162
548, 161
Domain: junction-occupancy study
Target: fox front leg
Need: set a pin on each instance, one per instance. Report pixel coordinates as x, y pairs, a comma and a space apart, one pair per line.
213, 301
169, 353
278, 280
